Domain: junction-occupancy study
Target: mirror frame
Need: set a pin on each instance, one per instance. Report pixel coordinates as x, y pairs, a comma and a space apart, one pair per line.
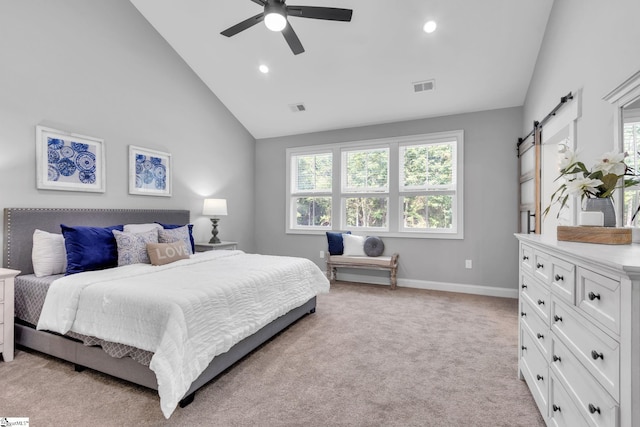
620, 97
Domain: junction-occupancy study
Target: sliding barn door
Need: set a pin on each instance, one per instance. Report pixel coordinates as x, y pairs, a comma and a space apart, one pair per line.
529, 176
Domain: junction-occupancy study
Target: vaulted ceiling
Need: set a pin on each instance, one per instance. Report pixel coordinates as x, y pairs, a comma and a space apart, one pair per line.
480, 57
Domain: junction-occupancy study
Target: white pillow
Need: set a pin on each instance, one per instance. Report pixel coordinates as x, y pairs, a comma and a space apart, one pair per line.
48, 255
141, 228
353, 245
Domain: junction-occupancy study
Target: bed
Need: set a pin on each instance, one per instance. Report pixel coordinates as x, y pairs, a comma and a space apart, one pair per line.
233, 313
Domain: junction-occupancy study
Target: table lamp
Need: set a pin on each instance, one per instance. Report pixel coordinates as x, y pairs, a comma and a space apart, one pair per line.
214, 208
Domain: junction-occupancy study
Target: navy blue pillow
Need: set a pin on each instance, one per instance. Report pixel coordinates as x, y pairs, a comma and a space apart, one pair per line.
90, 248
334, 239
172, 226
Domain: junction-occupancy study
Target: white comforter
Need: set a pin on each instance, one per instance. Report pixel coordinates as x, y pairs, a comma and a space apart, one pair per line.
186, 312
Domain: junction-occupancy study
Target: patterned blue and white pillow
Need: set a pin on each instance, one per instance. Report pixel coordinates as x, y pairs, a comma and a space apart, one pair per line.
166, 235
132, 247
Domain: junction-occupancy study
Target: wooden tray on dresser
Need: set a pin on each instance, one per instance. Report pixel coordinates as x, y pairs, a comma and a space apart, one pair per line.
587, 234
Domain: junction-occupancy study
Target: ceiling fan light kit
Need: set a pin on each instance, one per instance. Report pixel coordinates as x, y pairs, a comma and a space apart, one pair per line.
275, 17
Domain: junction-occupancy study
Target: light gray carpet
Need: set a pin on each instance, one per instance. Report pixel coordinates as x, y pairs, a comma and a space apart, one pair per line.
369, 356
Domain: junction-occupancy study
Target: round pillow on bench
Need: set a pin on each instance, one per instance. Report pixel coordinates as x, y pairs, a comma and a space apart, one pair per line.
373, 246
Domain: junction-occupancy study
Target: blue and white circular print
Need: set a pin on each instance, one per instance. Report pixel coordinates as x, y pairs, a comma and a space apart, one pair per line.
86, 161
70, 161
151, 173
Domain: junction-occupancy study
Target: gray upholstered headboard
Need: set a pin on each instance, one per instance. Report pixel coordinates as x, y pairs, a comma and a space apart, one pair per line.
20, 223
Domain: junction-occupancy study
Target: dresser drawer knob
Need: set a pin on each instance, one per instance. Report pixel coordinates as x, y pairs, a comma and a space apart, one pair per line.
540, 336
557, 358
595, 355
557, 318
539, 265
539, 377
593, 296
523, 314
559, 277
524, 258
593, 409
524, 347
524, 286
556, 408
540, 302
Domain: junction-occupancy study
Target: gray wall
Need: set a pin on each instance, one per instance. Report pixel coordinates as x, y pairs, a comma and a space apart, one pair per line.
590, 46
98, 68
490, 201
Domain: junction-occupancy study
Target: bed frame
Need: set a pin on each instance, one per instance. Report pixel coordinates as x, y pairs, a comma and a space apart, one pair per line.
19, 225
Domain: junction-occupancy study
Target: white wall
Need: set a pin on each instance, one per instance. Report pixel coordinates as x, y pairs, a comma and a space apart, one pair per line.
591, 46
98, 68
490, 203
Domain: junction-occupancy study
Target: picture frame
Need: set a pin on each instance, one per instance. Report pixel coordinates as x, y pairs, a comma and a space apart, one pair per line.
149, 172
69, 162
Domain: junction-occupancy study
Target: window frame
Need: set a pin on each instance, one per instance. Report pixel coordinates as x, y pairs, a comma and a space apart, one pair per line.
395, 215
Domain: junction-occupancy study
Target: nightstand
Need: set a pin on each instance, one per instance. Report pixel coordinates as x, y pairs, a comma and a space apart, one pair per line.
6, 313
228, 246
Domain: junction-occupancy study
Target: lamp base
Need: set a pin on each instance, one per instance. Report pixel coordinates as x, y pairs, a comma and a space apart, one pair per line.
214, 231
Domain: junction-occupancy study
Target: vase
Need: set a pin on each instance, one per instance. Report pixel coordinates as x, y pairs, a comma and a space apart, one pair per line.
604, 205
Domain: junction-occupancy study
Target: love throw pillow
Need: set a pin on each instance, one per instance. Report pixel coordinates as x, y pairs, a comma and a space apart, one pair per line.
165, 253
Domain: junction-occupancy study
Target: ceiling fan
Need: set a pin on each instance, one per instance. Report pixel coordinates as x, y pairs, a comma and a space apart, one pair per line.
275, 18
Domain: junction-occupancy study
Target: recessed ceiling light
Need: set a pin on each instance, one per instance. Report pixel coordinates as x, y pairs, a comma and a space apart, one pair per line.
263, 69
430, 27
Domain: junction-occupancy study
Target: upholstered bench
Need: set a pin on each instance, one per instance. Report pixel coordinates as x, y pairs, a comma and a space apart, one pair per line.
372, 263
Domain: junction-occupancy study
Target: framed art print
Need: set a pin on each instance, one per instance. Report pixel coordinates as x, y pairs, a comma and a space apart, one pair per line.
68, 161
149, 172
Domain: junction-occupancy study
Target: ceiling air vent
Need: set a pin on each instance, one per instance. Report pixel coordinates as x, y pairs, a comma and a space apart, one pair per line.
424, 86
297, 108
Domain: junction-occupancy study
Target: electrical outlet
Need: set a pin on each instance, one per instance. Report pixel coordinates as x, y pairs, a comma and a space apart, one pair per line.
468, 264
321, 254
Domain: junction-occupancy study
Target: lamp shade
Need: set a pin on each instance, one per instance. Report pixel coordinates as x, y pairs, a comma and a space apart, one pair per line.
214, 207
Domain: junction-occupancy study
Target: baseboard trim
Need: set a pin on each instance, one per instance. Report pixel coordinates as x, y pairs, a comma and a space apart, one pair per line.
491, 291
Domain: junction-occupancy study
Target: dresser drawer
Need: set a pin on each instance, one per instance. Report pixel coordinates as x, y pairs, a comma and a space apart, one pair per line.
538, 328
563, 280
597, 351
526, 258
1, 291
1, 314
542, 266
1, 334
537, 294
595, 404
599, 298
562, 411
535, 369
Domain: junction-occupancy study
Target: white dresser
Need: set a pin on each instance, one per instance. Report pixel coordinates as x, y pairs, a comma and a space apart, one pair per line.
6, 313
579, 331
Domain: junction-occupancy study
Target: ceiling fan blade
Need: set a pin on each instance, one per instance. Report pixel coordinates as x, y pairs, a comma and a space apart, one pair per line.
292, 39
260, 2
329, 13
247, 23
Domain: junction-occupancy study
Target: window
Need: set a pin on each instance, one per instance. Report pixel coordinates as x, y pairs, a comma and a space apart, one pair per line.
428, 186
365, 188
311, 186
401, 187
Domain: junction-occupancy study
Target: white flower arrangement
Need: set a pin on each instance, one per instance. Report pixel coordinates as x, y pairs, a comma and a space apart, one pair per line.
608, 173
